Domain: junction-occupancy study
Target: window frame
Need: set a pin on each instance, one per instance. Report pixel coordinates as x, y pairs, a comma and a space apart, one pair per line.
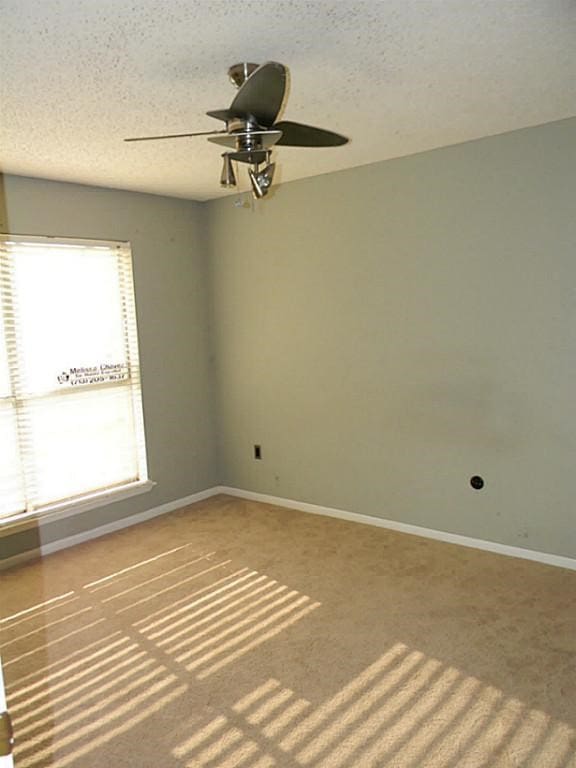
81, 503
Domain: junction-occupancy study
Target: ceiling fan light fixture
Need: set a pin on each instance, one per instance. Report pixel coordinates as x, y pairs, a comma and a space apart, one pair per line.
262, 180
228, 177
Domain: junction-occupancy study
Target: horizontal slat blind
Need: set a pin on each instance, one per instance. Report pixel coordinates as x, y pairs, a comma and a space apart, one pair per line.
12, 496
69, 372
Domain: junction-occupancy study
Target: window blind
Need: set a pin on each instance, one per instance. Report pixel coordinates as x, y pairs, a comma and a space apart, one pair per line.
71, 420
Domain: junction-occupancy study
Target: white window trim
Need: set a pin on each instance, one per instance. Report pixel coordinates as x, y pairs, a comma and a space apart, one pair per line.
71, 507
62, 510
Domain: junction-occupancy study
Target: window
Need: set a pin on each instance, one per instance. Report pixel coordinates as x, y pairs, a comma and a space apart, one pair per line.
71, 426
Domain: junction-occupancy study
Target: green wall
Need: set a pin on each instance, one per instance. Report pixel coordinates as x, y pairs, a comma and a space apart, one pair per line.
170, 274
389, 331
384, 333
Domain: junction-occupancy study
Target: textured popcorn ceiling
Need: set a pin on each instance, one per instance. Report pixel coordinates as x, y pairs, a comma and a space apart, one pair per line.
396, 76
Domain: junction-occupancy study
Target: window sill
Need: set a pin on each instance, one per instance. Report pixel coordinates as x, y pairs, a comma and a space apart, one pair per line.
59, 511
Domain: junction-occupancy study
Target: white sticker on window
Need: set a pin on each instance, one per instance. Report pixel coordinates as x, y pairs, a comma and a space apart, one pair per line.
94, 374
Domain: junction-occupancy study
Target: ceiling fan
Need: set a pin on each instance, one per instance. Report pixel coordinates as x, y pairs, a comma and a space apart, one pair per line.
251, 128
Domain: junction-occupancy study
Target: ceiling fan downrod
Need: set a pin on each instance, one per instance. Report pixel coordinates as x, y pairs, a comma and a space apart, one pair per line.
239, 73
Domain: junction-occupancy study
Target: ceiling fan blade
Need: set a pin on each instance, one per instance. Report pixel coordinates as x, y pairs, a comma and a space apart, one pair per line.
174, 136
261, 95
300, 135
221, 114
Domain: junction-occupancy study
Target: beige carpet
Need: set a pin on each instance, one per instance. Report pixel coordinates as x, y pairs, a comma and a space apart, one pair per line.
238, 635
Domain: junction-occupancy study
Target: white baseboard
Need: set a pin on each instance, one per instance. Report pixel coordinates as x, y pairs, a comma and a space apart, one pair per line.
430, 533
102, 530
